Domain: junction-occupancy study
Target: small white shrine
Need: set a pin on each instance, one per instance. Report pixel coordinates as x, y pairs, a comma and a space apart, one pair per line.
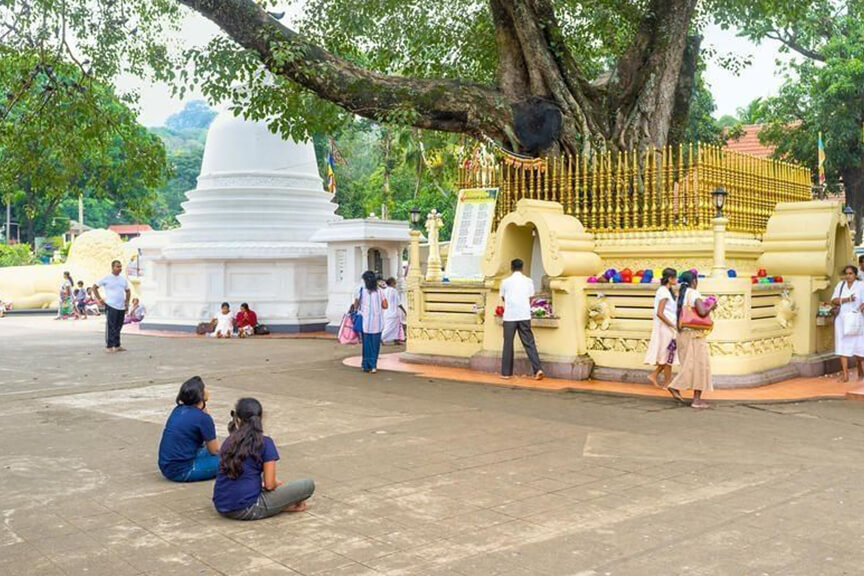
245, 235
354, 246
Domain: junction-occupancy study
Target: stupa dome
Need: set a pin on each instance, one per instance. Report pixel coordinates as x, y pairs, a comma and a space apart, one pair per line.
254, 188
238, 145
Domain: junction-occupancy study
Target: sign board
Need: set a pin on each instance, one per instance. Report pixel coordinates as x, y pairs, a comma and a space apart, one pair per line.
475, 212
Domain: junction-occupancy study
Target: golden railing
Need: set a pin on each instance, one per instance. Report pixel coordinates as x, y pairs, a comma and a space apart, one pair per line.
658, 189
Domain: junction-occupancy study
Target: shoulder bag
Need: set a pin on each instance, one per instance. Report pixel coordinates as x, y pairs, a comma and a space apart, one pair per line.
690, 318
356, 316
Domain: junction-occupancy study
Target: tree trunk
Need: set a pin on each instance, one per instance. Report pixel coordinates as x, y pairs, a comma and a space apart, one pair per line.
853, 181
542, 102
386, 150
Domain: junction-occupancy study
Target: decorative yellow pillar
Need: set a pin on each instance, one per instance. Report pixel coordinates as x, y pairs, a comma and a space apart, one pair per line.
719, 269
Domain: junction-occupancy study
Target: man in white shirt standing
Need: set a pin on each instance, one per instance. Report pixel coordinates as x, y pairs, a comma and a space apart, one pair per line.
516, 292
116, 303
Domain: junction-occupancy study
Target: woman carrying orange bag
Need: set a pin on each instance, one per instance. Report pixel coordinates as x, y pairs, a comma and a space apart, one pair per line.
694, 323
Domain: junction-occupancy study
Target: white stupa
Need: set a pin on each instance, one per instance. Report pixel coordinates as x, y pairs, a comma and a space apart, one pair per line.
244, 235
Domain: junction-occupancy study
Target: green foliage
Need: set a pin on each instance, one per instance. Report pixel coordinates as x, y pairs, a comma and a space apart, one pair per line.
63, 134
360, 179
701, 126
823, 90
16, 255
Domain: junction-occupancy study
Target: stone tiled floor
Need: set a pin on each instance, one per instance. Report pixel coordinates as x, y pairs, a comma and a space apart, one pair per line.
415, 475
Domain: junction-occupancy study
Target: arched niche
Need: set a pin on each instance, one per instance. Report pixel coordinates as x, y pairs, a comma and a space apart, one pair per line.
807, 239
566, 248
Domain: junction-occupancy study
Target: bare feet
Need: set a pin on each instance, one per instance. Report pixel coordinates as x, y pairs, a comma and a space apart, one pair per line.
843, 378
299, 507
676, 395
119, 349
218, 335
539, 375
653, 379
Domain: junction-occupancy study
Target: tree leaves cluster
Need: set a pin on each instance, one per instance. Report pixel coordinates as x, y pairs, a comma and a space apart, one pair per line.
63, 134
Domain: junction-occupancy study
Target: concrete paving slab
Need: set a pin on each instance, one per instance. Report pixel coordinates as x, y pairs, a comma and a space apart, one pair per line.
415, 476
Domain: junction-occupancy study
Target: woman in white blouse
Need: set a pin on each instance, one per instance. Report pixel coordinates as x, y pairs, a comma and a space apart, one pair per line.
848, 343
662, 347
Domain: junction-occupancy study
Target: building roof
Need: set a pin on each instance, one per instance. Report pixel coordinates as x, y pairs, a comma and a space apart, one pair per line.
749, 143
122, 229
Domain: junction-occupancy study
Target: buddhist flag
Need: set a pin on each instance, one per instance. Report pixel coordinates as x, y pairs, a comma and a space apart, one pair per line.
821, 161
331, 174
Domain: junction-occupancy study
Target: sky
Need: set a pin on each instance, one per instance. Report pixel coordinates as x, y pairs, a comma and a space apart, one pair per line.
730, 91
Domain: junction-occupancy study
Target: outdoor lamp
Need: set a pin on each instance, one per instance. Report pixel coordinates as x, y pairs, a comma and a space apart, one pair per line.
719, 195
850, 216
415, 216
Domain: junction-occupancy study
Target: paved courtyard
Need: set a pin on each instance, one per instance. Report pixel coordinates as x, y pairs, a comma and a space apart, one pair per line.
415, 476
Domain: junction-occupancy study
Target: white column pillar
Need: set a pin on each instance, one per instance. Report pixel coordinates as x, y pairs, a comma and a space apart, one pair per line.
719, 269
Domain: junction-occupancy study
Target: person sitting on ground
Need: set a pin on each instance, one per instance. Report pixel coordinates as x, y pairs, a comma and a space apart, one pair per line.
91, 305
4, 307
246, 487
189, 451
224, 323
135, 313
79, 296
245, 321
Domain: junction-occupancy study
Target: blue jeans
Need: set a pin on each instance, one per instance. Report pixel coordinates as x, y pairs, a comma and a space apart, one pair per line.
371, 347
204, 467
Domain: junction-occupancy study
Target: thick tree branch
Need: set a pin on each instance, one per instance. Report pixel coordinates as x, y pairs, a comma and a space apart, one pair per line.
789, 39
446, 105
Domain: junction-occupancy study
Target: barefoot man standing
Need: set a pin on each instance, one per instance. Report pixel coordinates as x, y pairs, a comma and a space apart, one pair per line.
516, 292
116, 303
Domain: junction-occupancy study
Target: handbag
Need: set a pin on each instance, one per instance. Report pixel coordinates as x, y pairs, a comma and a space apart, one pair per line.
261, 330
690, 318
347, 334
356, 316
852, 323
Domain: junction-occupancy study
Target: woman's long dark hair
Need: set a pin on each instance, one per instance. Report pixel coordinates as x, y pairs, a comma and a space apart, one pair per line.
191, 392
667, 275
370, 279
685, 282
245, 439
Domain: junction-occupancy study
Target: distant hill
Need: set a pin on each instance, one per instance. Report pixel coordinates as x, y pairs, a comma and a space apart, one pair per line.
196, 114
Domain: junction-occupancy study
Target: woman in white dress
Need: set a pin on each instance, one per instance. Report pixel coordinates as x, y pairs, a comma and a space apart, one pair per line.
393, 331
662, 352
224, 322
849, 297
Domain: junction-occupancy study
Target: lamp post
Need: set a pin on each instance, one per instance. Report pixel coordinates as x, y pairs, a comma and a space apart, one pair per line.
414, 272
719, 223
849, 213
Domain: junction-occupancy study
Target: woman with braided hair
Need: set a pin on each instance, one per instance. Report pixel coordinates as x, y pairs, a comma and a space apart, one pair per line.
693, 350
246, 487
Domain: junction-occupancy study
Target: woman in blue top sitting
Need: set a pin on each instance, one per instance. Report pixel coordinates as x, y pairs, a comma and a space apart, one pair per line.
189, 451
246, 487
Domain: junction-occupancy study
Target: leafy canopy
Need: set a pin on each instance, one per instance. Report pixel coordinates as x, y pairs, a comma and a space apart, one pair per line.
63, 134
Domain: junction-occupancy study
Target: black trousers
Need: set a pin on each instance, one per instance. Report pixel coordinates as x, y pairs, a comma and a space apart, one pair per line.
113, 324
527, 338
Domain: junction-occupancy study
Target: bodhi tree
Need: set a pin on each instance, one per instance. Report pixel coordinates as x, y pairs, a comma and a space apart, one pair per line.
533, 75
